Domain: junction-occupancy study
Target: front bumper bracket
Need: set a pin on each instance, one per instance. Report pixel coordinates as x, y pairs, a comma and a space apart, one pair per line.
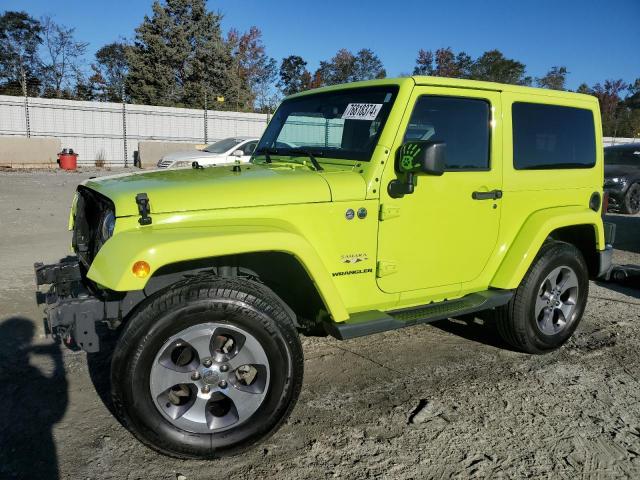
71, 312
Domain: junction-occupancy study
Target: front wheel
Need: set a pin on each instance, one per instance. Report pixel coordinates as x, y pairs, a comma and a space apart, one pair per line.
207, 368
549, 302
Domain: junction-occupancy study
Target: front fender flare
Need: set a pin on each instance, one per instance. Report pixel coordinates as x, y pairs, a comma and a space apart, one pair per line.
534, 232
112, 267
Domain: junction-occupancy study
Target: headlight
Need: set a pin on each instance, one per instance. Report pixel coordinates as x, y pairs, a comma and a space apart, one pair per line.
107, 225
616, 182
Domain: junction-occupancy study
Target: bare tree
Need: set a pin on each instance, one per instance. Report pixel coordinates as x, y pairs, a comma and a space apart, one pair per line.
61, 65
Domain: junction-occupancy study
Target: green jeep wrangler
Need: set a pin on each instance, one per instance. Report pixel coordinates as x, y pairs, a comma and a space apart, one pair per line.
366, 207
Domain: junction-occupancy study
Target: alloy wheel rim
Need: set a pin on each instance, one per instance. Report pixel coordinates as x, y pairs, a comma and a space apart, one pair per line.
635, 199
209, 378
557, 300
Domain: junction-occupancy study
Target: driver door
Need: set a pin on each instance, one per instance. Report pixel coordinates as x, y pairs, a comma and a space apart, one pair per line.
442, 235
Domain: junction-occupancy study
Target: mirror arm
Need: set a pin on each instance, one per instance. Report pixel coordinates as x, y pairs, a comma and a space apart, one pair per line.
398, 188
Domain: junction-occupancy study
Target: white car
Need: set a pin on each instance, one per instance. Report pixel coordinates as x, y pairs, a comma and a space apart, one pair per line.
223, 151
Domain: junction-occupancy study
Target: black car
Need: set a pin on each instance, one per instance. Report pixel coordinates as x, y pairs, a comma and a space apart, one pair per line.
622, 177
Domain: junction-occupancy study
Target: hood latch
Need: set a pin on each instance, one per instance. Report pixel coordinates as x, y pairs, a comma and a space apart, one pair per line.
142, 200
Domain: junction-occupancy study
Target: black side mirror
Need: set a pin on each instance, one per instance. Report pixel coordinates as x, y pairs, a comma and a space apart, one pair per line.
422, 157
417, 157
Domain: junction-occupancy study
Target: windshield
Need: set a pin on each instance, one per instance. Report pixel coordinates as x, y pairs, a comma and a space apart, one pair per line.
223, 145
622, 156
344, 124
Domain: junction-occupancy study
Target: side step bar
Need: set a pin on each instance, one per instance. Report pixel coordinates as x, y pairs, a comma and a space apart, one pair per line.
375, 321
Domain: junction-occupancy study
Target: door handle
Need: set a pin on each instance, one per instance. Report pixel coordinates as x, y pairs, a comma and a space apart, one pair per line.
492, 195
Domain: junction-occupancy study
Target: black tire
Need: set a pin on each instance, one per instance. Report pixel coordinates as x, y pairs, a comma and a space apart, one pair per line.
631, 202
238, 302
517, 322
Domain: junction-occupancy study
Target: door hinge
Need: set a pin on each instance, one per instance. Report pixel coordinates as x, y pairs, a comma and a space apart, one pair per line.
389, 211
386, 268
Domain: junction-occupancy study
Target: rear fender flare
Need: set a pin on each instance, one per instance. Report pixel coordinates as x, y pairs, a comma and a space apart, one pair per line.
535, 230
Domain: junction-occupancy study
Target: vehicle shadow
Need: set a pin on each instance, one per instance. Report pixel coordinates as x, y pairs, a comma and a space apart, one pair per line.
630, 286
479, 327
32, 402
99, 365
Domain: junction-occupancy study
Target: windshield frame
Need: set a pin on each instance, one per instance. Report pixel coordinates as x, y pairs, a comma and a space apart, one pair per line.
326, 154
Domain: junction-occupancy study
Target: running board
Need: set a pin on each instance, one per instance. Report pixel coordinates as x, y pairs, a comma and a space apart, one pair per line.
375, 321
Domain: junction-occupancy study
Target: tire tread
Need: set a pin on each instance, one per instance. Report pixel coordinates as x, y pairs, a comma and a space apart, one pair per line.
198, 287
510, 318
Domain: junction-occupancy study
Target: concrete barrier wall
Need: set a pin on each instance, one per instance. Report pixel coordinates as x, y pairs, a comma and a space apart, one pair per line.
149, 153
17, 152
608, 141
96, 130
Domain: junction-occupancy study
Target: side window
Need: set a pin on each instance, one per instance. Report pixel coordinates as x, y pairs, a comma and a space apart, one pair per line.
248, 148
463, 123
552, 136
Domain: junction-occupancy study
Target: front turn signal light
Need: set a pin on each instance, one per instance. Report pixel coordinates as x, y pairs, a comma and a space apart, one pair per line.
141, 269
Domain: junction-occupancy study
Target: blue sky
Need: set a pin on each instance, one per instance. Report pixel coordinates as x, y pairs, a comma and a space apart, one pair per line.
595, 39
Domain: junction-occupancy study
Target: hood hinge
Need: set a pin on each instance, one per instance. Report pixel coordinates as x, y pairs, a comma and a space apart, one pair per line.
388, 211
386, 268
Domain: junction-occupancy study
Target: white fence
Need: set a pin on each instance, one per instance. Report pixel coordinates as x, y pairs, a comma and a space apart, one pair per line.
105, 131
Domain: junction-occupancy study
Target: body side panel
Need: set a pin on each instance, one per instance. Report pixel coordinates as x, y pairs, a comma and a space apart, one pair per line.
536, 202
338, 253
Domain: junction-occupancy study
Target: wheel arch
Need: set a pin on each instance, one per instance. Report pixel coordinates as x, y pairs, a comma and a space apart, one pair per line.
281, 272
263, 249
584, 238
579, 226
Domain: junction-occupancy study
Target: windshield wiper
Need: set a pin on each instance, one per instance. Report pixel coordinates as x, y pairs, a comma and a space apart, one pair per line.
308, 153
267, 152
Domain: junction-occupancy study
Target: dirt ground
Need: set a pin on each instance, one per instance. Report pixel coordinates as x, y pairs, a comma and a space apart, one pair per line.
437, 401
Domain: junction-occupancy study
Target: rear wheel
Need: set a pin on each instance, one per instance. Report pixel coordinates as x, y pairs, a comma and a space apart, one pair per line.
549, 303
631, 202
207, 368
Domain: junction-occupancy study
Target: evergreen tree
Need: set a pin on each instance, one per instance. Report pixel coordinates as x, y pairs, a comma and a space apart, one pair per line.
443, 63
554, 79
109, 72
339, 69
178, 55
584, 88
20, 37
294, 76
346, 67
493, 66
368, 66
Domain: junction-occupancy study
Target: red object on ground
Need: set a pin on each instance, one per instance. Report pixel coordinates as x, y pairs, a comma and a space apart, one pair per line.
67, 159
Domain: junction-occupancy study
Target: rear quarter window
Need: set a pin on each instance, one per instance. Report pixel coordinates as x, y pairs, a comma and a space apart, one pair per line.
552, 137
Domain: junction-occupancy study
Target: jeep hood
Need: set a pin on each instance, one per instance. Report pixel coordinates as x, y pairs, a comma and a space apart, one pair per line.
179, 190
